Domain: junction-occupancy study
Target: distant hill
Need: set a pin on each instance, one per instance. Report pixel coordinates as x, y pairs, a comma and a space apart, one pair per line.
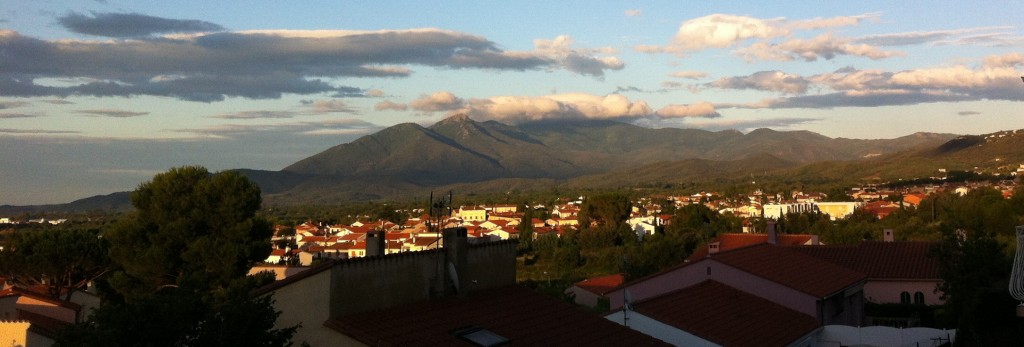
111, 202
409, 160
460, 153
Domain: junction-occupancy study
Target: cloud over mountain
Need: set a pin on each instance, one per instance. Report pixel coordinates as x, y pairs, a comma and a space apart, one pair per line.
199, 62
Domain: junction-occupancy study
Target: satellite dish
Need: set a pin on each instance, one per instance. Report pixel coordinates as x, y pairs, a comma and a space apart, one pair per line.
454, 276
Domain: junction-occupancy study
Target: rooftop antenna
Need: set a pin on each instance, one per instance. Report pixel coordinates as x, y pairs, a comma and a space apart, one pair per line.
1017, 276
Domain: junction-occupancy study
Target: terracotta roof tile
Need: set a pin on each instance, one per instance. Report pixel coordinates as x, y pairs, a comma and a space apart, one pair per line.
601, 285
728, 316
728, 242
791, 268
520, 315
882, 260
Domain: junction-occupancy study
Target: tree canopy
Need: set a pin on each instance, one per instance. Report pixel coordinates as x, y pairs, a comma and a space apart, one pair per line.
181, 260
64, 260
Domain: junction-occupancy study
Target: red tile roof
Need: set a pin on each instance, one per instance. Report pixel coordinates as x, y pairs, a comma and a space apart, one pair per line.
882, 260
601, 285
791, 268
728, 242
522, 316
727, 316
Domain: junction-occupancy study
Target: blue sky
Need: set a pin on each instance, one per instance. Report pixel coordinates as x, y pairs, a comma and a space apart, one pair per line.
97, 96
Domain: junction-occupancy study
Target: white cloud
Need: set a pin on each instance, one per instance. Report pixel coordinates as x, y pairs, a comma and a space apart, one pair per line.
390, 105
580, 60
824, 46
722, 30
693, 75
329, 106
519, 109
776, 81
439, 101
702, 110
1006, 60
634, 13
825, 23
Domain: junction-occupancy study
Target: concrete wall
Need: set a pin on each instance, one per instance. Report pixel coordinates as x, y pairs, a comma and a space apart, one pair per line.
46, 309
307, 302
14, 333
360, 285
8, 308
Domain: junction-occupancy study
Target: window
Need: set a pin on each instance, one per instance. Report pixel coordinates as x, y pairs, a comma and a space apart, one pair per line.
919, 298
904, 298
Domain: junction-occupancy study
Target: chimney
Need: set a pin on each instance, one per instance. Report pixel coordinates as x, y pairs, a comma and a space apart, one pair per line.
456, 251
887, 235
375, 243
773, 238
713, 247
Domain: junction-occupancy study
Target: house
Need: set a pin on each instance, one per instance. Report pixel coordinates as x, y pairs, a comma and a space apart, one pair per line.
710, 313
830, 293
460, 295
777, 211
728, 242
35, 318
590, 291
897, 272
914, 199
503, 208
471, 214
277, 255
839, 209
881, 209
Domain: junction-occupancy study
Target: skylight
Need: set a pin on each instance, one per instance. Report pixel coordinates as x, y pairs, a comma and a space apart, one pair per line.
480, 336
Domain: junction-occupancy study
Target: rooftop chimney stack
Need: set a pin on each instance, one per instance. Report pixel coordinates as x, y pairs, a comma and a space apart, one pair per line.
375, 243
773, 238
887, 235
456, 248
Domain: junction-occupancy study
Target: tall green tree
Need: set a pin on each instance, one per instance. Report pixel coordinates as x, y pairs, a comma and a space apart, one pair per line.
605, 210
975, 273
190, 228
182, 258
526, 231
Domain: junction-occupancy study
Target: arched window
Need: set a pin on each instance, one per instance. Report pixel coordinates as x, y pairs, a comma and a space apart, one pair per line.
904, 298
919, 298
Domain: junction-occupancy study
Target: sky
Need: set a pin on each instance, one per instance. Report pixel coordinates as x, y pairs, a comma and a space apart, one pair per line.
97, 97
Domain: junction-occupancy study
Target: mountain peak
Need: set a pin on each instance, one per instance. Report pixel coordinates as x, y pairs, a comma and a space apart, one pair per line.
457, 118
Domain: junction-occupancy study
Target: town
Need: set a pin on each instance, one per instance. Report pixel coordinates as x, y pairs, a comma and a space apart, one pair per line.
798, 288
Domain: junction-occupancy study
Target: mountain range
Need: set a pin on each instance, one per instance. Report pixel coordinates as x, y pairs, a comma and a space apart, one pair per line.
458, 153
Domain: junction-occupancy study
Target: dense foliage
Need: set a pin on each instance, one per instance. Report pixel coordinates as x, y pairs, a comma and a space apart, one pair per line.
180, 262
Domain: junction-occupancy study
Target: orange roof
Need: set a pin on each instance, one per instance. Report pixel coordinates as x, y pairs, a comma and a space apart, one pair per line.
716, 312
601, 285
